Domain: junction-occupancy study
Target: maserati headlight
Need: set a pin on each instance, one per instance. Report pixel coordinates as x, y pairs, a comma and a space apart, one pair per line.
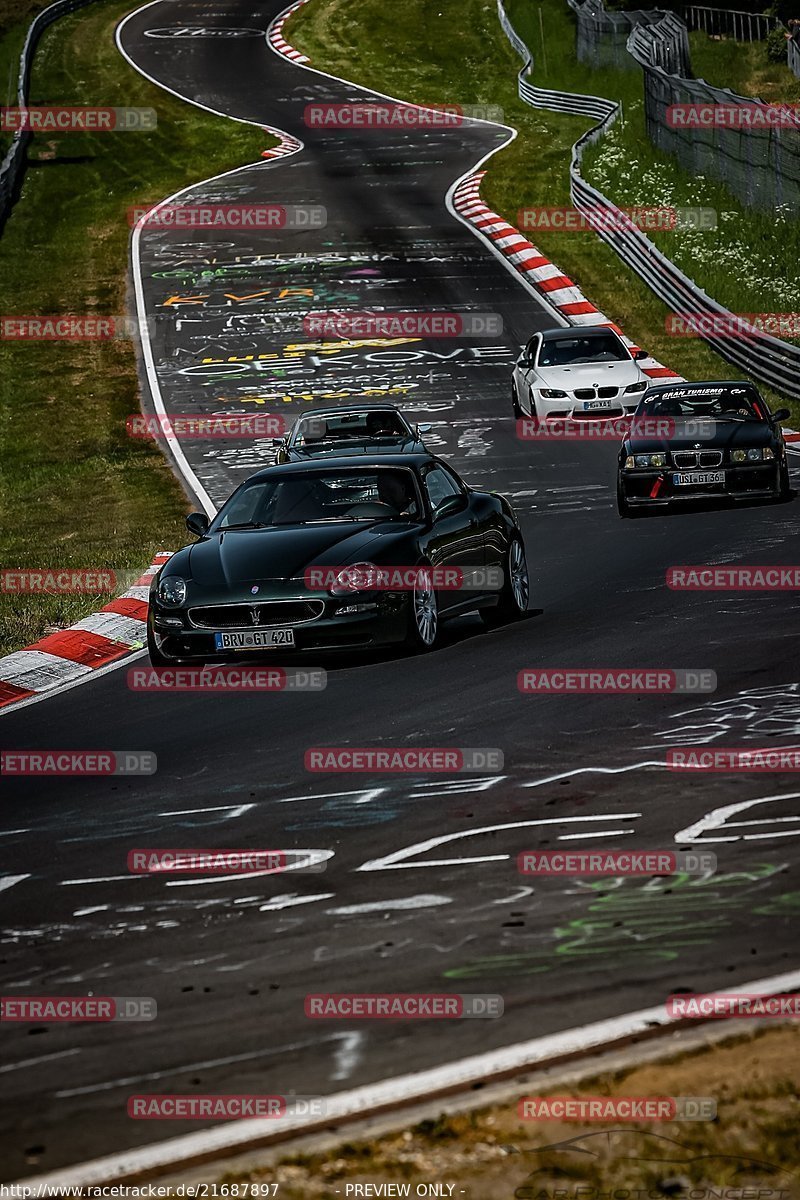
636, 387
172, 591
552, 394
360, 577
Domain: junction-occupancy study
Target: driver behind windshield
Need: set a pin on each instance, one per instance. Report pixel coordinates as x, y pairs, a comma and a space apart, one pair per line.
395, 491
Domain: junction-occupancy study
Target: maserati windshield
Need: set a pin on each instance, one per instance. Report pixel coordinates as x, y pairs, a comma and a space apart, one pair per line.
374, 494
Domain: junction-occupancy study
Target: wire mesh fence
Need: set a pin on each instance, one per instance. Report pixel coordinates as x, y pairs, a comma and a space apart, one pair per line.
602, 37
751, 147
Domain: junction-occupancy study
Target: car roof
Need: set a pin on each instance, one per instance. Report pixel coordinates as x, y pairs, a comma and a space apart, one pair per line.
350, 408
565, 335
415, 458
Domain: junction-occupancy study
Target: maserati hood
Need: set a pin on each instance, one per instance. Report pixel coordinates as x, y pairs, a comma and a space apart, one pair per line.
246, 556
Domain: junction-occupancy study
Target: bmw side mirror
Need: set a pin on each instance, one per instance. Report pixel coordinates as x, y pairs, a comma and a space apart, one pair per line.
424, 428
197, 523
453, 504
278, 441
782, 414
639, 355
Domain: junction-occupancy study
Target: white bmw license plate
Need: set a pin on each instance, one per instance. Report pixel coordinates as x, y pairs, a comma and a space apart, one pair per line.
589, 404
687, 478
256, 639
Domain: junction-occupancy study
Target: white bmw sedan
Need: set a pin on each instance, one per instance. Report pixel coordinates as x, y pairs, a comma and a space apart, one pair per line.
577, 373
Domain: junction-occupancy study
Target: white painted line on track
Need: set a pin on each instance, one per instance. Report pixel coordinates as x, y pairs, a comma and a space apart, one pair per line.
147, 1162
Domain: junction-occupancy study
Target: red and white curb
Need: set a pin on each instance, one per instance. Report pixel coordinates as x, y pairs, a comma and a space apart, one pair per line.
287, 144
277, 40
560, 291
117, 630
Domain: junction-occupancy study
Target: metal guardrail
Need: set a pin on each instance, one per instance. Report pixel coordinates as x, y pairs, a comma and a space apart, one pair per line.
13, 165
730, 22
767, 358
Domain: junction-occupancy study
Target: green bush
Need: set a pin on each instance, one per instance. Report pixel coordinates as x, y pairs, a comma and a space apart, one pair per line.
776, 45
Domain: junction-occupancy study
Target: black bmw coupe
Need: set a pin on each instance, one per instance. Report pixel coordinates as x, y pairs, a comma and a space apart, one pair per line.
339, 555
695, 441
367, 429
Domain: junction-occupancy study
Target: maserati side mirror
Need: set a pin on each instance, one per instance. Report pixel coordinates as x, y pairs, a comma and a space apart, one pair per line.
197, 523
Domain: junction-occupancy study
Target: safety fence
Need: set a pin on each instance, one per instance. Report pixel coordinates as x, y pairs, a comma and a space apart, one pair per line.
740, 141
793, 52
12, 167
602, 37
727, 22
767, 358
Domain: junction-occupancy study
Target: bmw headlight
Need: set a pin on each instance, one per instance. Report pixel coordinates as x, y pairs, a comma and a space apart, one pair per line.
172, 591
360, 577
636, 387
651, 460
754, 455
552, 394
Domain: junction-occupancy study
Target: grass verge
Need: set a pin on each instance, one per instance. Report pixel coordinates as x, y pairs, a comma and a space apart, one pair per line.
456, 52
751, 1144
77, 492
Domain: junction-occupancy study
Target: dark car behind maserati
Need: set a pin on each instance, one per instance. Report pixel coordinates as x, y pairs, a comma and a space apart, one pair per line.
343, 554
702, 441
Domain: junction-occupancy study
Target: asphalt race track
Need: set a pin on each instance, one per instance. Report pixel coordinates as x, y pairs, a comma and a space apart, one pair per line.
230, 960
